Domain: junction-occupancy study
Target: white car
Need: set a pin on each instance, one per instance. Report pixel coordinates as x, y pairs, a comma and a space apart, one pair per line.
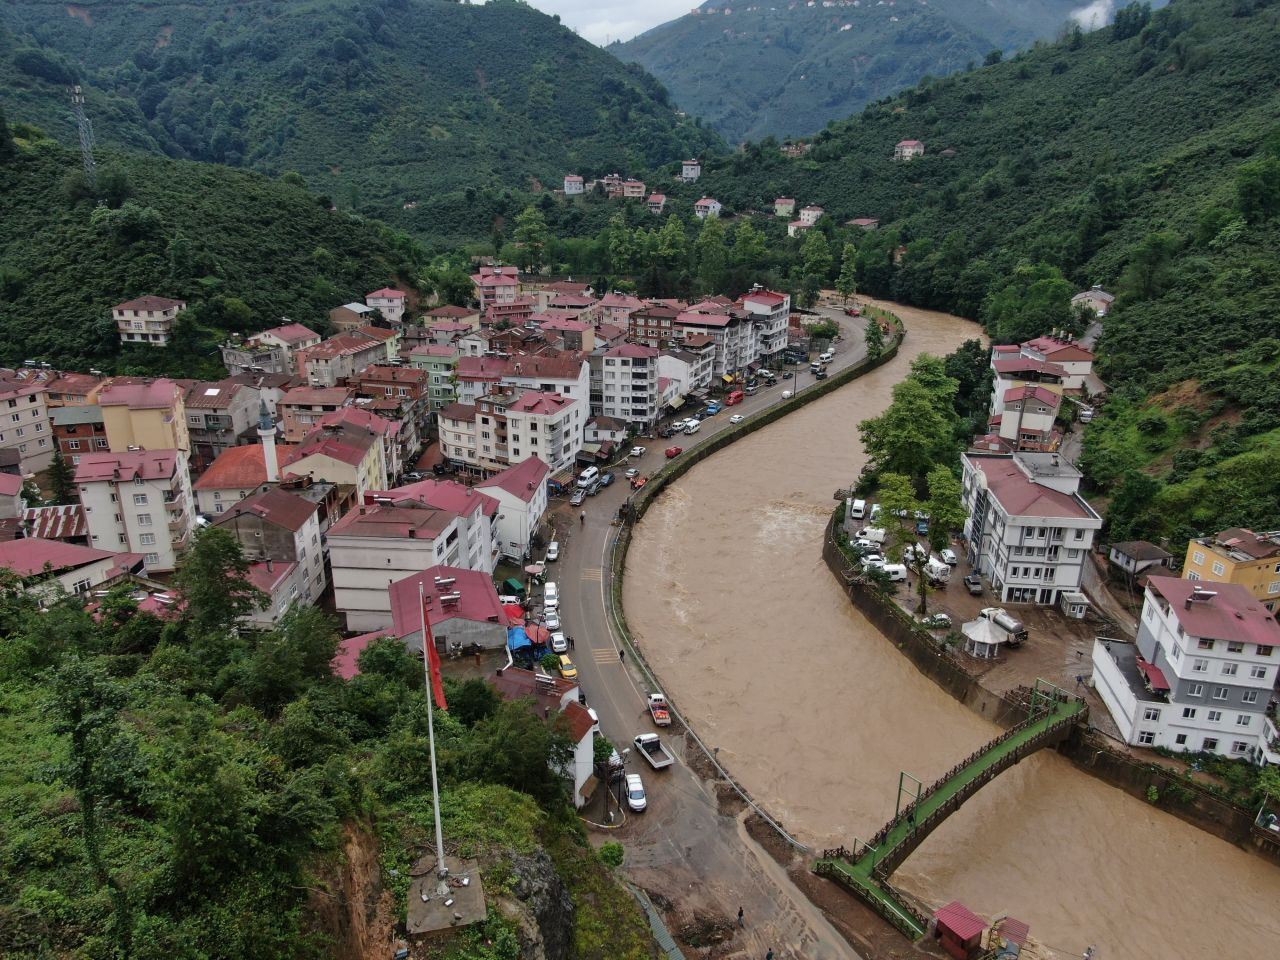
632, 473
737, 418
786, 394
637, 451
553, 551
949, 557
872, 560
558, 643
636, 799
550, 592
508, 598
551, 618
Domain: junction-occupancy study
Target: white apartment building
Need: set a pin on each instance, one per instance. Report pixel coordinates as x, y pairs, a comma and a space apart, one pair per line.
1049, 359
505, 428
477, 516
730, 330
629, 385
377, 544
707, 207
1201, 674
770, 313
139, 502
521, 492
24, 424
567, 375
690, 170
388, 301
1026, 418
572, 185
689, 370
147, 320
1029, 532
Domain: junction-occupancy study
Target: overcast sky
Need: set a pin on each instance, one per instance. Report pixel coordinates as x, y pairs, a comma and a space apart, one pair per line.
604, 20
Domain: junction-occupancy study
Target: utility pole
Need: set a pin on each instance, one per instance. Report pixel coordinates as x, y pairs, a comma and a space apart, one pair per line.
85, 129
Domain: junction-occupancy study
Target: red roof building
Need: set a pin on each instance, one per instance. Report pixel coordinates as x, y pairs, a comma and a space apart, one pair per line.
960, 930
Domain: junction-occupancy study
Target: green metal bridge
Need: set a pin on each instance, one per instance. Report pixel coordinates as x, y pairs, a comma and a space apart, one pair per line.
865, 869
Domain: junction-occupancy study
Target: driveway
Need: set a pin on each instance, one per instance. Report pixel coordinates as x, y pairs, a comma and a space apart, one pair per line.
683, 848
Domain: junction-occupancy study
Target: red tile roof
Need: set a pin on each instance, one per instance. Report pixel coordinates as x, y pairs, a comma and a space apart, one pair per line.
346, 662
449, 310
1021, 496
1032, 392
345, 443
1248, 542
239, 468
765, 296
212, 395
580, 722
910, 143
634, 350
441, 494
154, 395
479, 600
1061, 350
386, 522
316, 396
623, 300
56, 523
387, 293
521, 480
657, 198
563, 367
149, 303
459, 411
357, 417
28, 557
1021, 364
147, 464
1217, 611
10, 484
533, 401
516, 683
278, 507
960, 920
379, 334
268, 575
704, 319
434, 350
292, 333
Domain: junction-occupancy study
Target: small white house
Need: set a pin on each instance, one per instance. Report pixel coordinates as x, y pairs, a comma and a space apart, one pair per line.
572, 185
706, 207
690, 170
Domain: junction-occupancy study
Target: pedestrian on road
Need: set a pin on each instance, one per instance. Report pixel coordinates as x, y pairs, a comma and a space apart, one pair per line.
570, 639
622, 655
739, 916
584, 517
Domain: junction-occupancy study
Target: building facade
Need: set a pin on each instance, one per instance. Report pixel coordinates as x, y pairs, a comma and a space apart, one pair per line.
147, 320
1239, 556
25, 429
138, 502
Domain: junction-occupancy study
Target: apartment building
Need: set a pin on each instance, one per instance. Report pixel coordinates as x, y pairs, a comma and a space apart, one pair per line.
1027, 417
1029, 531
145, 415
270, 351
477, 515
140, 502
302, 408
770, 313
440, 361
1243, 557
345, 454
25, 430
521, 492
1200, 676
629, 387
219, 416
78, 430
390, 302
339, 358
147, 320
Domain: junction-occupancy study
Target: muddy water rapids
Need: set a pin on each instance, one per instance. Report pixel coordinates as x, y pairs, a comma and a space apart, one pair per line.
816, 713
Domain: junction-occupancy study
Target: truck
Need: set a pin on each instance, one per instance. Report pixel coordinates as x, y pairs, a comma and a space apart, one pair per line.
658, 710
874, 534
649, 745
734, 398
937, 571
1011, 625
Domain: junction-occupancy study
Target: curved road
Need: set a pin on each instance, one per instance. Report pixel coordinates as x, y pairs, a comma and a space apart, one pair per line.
682, 847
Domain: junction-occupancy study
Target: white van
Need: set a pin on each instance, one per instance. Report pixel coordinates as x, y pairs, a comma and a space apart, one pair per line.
826, 357
858, 509
693, 427
587, 477
895, 571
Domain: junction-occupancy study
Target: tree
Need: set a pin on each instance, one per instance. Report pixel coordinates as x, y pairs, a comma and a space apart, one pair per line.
62, 479
901, 510
518, 748
711, 255
847, 282
970, 366
1150, 270
873, 336
672, 246
749, 249
918, 429
815, 257
7, 149
213, 581
992, 58
1035, 300
618, 240
533, 237
1258, 188
31, 493
473, 700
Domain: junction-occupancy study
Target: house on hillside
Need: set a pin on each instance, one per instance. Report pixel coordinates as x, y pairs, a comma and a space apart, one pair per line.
572, 185
147, 320
1095, 299
690, 170
784, 206
656, 202
706, 207
864, 223
633, 189
388, 301
1240, 556
554, 695
908, 150
1138, 556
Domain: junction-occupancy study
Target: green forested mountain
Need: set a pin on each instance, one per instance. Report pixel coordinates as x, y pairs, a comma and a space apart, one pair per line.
378, 103
760, 70
1145, 157
247, 249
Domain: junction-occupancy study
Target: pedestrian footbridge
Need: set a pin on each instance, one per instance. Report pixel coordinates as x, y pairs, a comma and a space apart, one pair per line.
865, 869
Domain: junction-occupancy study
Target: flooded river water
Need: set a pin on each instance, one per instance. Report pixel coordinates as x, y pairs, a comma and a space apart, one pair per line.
816, 713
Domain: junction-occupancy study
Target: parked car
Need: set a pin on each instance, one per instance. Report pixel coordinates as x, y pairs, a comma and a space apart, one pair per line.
551, 618
632, 473
567, 669
737, 418
558, 643
973, 583
922, 528
786, 394
692, 428
637, 451
936, 621
551, 593
820, 375
636, 799
606, 479
787, 375
872, 560
587, 477
949, 556
553, 551
713, 409
673, 452
578, 497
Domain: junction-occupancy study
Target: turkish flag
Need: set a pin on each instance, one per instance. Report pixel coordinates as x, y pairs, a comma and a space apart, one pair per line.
433, 659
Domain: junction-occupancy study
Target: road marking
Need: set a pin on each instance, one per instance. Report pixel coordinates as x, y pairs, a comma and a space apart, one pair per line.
592, 573
605, 656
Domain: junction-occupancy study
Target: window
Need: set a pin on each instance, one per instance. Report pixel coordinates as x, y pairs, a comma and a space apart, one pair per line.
1218, 569
1175, 652
1220, 693
1215, 716
1200, 666
100, 443
1244, 719
147, 539
1151, 713
82, 586
139, 499
1188, 713
1249, 696
1146, 737
1235, 646
1239, 746
194, 419
1195, 690
1264, 651
1205, 644
73, 444
217, 507
1273, 586
15, 417
153, 558
1210, 744
1258, 673
1229, 669
144, 519
21, 431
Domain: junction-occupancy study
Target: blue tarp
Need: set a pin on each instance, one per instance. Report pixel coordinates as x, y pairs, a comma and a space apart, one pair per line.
517, 639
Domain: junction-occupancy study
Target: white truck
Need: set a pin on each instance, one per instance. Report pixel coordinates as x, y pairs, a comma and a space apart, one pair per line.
874, 534
658, 710
1011, 625
649, 745
937, 570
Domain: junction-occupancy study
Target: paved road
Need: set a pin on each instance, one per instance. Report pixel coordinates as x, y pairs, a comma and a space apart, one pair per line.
682, 847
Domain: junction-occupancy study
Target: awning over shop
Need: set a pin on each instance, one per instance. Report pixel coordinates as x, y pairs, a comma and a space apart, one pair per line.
517, 639
753, 365
514, 585
1154, 675
676, 404
515, 614
726, 378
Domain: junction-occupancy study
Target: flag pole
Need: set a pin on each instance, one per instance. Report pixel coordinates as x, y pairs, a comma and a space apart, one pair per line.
442, 871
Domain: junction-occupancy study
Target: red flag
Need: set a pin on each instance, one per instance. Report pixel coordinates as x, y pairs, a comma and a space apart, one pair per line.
433, 659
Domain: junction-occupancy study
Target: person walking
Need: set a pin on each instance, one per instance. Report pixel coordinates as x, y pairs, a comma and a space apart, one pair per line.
769, 955
622, 655
739, 917
570, 639
583, 518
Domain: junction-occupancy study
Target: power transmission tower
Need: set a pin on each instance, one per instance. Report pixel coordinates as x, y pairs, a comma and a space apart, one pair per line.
85, 129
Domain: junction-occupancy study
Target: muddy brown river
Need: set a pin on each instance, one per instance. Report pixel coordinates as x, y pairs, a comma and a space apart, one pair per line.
816, 713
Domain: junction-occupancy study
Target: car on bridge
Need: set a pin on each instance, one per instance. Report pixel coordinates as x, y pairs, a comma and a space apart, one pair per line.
673, 452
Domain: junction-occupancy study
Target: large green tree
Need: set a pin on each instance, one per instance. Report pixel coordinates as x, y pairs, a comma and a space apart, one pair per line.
847, 282
1035, 300
710, 255
62, 479
532, 238
918, 428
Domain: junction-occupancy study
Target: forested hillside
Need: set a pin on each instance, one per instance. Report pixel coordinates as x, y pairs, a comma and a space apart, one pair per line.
243, 249
179, 787
1145, 157
441, 106
760, 70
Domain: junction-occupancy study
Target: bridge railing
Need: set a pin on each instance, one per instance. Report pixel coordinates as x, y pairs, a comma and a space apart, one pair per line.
887, 900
